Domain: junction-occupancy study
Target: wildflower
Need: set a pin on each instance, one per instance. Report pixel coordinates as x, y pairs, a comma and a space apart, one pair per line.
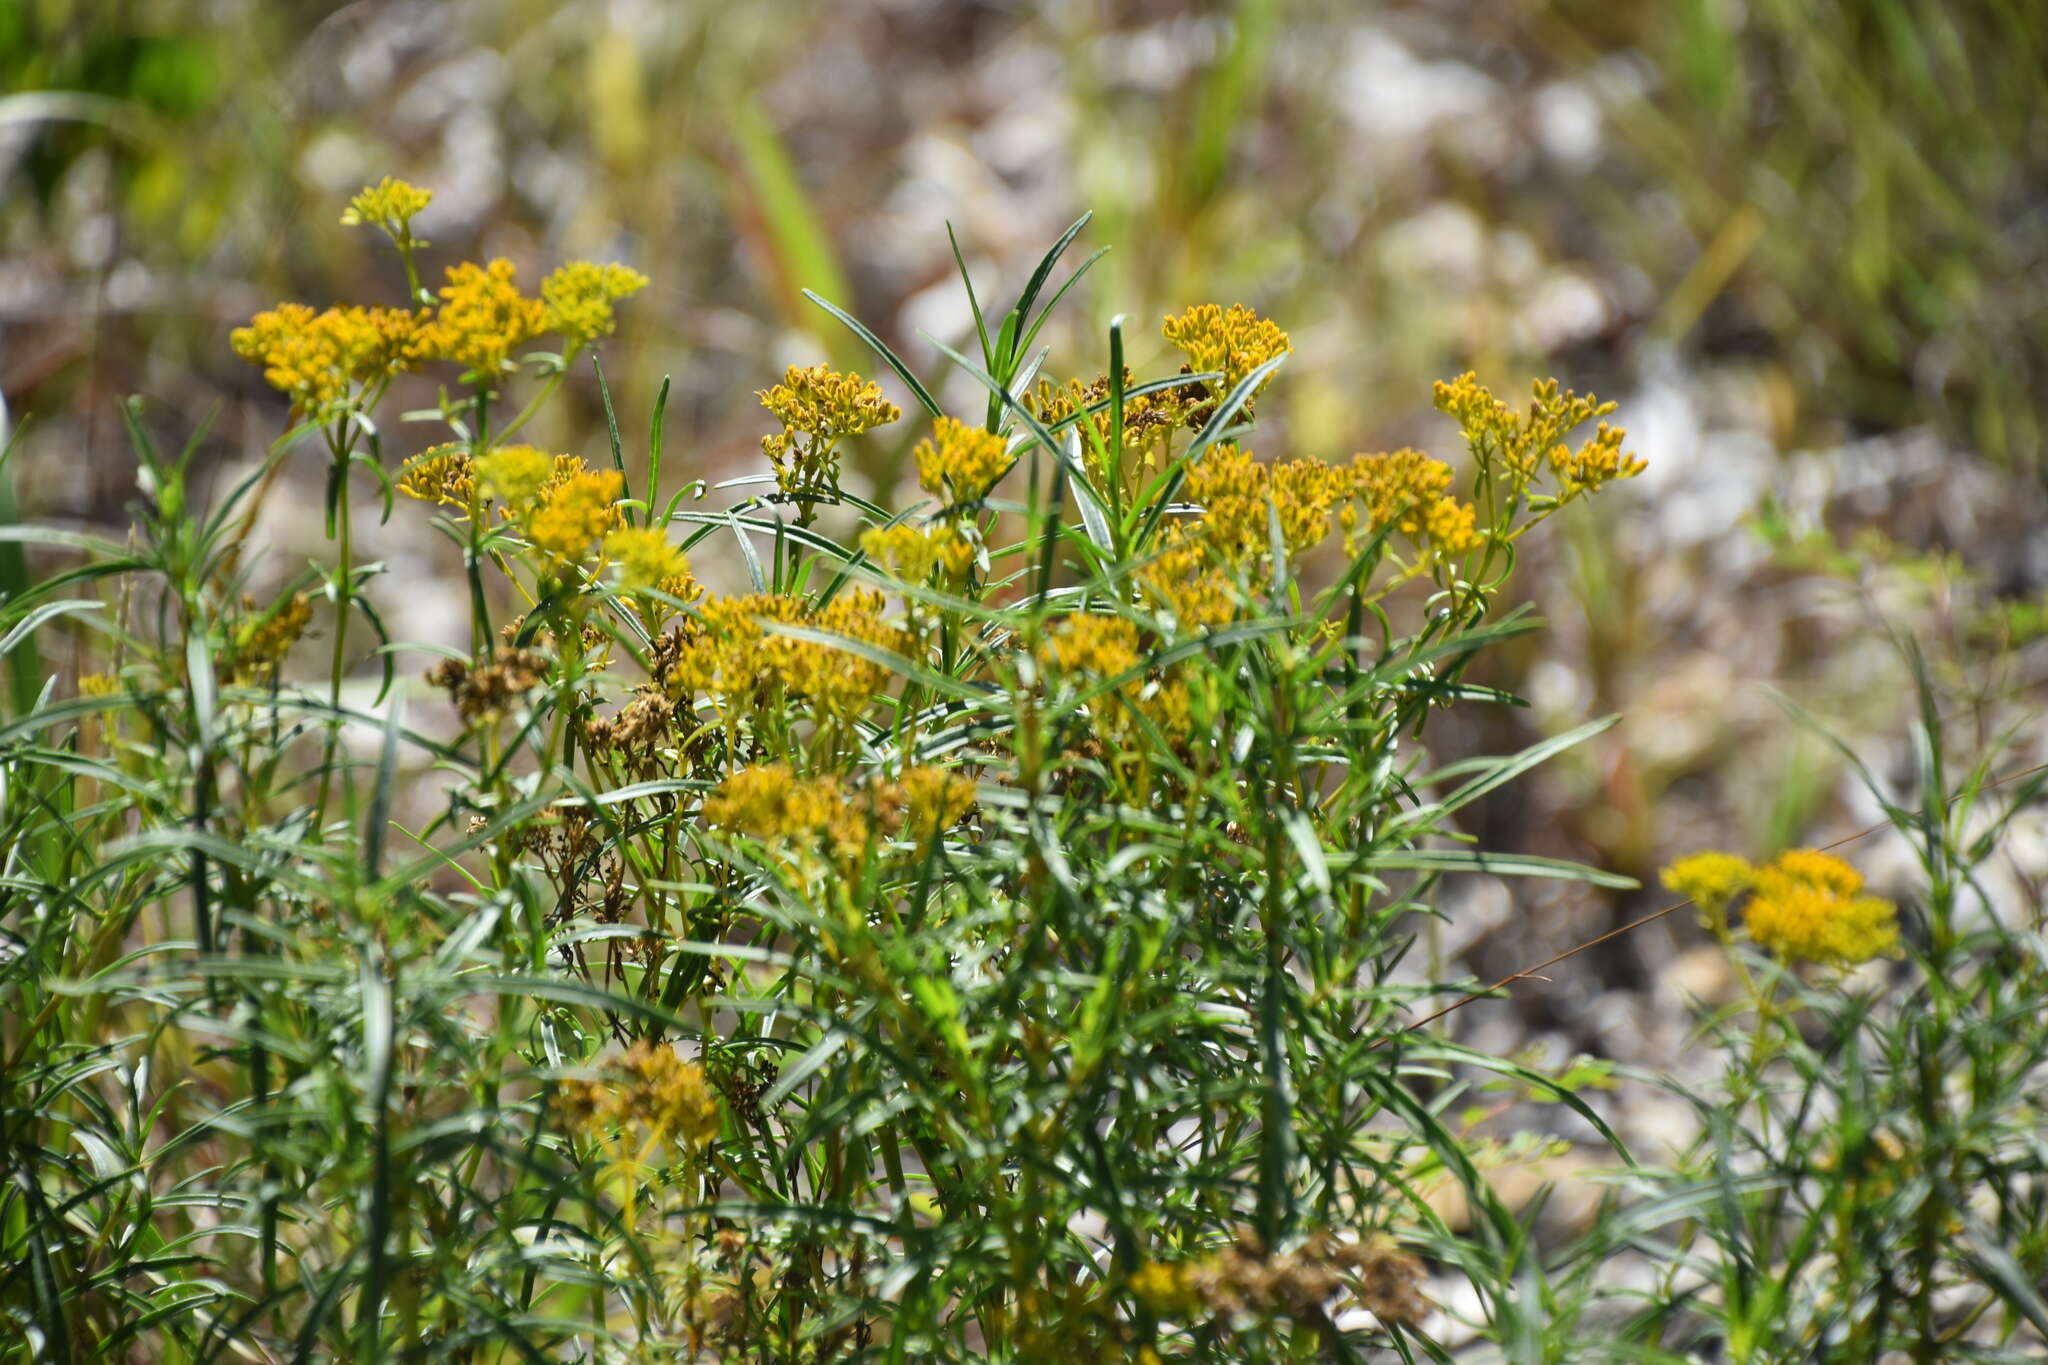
1805, 904
937, 799
646, 559
98, 685
1145, 415
1520, 448
574, 512
746, 668
1448, 525
1298, 1283
320, 359
959, 464
483, 316
771, 803
489, 691
1233, 343
443, 473
579, 298
1710, 880
262, 641
818, 408
389, 204
1104, 646
650, 1090
514, 475
1164, 1289
1596, 462
913, 553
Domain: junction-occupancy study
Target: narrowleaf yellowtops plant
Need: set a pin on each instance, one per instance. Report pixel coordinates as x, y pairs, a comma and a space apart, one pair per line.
975, 938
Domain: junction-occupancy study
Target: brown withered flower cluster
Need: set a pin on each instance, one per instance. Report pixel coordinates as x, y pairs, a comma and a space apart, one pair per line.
1243, 1279
490, 690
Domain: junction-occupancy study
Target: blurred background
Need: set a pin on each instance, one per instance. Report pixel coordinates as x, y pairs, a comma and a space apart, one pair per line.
1805, 244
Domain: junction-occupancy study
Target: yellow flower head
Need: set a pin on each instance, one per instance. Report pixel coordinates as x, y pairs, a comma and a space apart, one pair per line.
648, 1088
937, 799
1521, 448
579, 298
320, 359
1806, 905
746, 668
483, 316
1234, 342
262, 641
514, 475
913, 553
1167, 1290
646, 559
1711, 880
959, 464
771, 803
574, 512
818, 408
389, 204
442, 473
1088, 642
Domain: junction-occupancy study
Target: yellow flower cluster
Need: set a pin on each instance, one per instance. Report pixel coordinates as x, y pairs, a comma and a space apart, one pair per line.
574, 512
747, 669
647, 1089
1241, 498
915, 553
515, 475
1807, 904
262, 641
1234, 342
562, 506
818, 408
1095, 644
1408, 490
646, 559
771, 803
1100, 647
579, 298
937, 798
1521, 448
958, 463
1145, 416
389, 204
483, 317
324, 358
318, 359
442, 473
1803, 904
1709, 879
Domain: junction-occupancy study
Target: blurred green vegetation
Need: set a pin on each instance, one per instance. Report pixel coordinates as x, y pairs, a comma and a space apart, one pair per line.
1868, 181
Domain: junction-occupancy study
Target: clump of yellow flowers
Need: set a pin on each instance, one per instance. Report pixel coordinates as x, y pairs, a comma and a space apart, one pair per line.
958, 463
1804, 905
818, 408
772, 804
322, 358
1232, 342
1524, 448
336, 359
646, 1092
